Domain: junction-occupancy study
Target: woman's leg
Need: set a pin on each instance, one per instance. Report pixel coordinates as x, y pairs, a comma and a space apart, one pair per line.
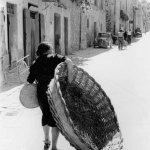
46, 137
119, 44
46, 133
55, 134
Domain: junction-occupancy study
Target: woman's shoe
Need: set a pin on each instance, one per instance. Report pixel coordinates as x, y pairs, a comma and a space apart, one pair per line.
46, 145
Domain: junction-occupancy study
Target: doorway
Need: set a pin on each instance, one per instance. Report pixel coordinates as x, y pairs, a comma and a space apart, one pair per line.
11, 31
95, 30
34, 32
57, 33
66, 35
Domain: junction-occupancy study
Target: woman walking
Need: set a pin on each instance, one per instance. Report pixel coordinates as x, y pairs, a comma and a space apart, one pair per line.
42, 71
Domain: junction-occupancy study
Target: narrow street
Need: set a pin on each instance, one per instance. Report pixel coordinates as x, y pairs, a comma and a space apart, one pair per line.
125, 77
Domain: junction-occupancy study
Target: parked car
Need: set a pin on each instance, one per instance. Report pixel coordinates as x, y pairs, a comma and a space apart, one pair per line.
138, 32
103, 40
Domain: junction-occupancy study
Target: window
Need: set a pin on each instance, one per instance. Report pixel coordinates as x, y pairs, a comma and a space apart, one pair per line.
10, 8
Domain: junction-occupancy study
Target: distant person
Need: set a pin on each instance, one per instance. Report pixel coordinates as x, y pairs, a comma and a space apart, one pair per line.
120, 39
125, 35
129, 36
42, 71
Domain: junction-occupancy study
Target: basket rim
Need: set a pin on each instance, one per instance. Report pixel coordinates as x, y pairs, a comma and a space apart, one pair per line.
22, 97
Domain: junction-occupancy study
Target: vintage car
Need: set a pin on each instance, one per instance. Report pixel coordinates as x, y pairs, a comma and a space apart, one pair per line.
103, 40
138, 32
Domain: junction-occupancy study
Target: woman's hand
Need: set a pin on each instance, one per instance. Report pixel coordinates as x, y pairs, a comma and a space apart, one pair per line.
27, 83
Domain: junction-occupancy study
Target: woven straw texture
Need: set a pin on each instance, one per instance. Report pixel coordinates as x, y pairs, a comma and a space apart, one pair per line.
28, 96
83, 112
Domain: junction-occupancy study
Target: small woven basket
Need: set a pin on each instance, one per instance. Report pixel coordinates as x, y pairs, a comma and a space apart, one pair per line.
28, 96
83, 112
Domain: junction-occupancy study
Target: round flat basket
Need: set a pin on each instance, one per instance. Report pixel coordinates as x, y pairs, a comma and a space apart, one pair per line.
83, 112
28, 96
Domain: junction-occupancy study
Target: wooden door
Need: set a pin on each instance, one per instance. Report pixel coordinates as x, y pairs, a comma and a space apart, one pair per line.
27, 33
34, 34
66, 35
31, 34
41, 27
95, 30
12, 31
57, 33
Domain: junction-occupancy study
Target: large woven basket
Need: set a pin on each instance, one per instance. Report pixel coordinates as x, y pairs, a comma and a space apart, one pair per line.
28, 96
83, 112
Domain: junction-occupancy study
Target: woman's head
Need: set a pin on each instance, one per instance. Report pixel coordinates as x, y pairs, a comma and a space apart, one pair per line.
44, 48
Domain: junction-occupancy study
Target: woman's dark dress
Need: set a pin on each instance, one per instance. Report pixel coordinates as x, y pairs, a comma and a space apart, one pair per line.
42, 70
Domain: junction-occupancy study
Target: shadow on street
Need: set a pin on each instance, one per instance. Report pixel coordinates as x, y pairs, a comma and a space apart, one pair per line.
82, 56
135, 40
8, 86
79, 57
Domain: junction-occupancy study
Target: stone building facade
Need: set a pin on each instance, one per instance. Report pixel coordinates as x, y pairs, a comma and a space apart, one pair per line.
112, 16
145, 9
109, 16
125, 14
94, 21
134, 12
26, 23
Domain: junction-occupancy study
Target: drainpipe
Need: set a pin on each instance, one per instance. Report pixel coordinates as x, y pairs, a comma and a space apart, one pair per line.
80, 28
114, 17
133, 20
126, 14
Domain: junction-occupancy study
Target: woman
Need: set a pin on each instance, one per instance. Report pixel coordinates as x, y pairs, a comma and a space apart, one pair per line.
42, 71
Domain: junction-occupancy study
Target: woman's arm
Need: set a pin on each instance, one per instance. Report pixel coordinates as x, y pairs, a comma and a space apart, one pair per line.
31, 76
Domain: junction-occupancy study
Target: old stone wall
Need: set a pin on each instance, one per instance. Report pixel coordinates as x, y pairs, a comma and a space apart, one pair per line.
108, 16
75, 27
80, 36
97, 21
2, 44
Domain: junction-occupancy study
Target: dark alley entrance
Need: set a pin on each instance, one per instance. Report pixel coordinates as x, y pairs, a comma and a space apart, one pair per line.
57, 32
34, 32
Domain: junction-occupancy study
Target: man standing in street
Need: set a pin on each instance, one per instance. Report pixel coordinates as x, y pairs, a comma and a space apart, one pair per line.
120, 39
129, 37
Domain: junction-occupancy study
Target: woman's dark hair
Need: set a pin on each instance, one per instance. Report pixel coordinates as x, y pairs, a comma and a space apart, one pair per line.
44, 48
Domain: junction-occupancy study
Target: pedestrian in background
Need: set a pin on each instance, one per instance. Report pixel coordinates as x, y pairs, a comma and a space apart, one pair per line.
120, 39
125, 35
42, 71
129, 36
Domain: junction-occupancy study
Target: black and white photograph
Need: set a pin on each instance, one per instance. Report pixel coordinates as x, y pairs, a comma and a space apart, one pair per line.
74, 74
